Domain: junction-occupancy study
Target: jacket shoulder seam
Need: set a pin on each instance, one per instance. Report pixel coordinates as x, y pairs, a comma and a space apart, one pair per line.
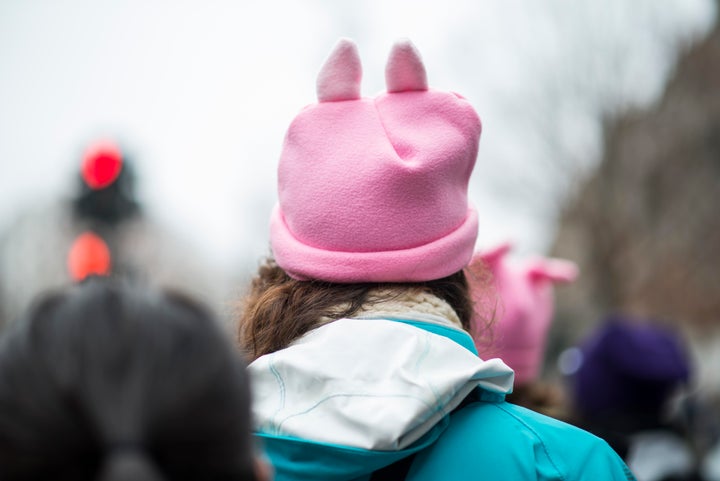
538, 437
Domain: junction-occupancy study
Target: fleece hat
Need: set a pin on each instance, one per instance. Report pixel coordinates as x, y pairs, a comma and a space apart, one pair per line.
375, 189
523, 308
629, 370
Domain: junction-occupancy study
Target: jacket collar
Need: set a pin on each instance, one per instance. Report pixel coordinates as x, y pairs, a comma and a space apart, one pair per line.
376, 384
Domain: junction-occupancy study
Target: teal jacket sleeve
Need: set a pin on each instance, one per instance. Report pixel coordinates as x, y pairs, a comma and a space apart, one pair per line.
501, 441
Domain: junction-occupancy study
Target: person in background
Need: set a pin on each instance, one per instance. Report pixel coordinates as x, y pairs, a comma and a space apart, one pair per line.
103, 381
523, 306
357, 327
630, 371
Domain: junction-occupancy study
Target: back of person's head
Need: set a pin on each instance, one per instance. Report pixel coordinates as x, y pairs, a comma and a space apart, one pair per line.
109, 382
630, 369
523, 307
372, 193
520, 300
375, 189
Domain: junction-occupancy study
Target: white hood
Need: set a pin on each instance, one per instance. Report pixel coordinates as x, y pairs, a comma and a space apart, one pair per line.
368, 383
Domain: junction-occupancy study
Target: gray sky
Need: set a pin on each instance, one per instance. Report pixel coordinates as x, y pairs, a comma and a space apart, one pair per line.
201, 93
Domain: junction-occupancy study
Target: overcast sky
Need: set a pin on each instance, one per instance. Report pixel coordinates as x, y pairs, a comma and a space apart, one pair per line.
201, 94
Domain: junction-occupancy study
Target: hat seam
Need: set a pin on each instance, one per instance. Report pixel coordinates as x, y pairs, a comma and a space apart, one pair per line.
385, 130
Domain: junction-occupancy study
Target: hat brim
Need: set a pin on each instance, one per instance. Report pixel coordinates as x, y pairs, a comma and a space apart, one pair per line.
434, 260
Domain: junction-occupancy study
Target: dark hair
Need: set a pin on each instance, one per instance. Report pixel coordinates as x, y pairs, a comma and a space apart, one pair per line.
279, 309
109, 382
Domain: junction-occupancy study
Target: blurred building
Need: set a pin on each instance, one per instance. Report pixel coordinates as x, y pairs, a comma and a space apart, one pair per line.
645, 228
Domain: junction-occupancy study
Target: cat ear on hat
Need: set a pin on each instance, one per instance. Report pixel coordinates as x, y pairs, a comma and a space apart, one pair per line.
404, 70
552, 270
490, 257
340, 76
487, 259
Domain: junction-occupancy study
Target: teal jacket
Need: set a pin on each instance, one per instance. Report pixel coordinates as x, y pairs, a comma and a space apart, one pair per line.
324, 414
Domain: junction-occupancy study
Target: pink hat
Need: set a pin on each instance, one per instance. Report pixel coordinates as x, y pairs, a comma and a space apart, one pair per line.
524, 311
375, 189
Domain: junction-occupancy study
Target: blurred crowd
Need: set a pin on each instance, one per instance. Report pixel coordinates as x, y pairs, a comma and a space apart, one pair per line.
112, 368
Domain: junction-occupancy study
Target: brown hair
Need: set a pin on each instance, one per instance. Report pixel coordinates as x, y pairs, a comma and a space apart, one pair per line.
279, 309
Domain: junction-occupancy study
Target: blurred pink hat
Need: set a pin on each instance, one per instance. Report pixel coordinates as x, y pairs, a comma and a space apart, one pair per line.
375, 189
525, 307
